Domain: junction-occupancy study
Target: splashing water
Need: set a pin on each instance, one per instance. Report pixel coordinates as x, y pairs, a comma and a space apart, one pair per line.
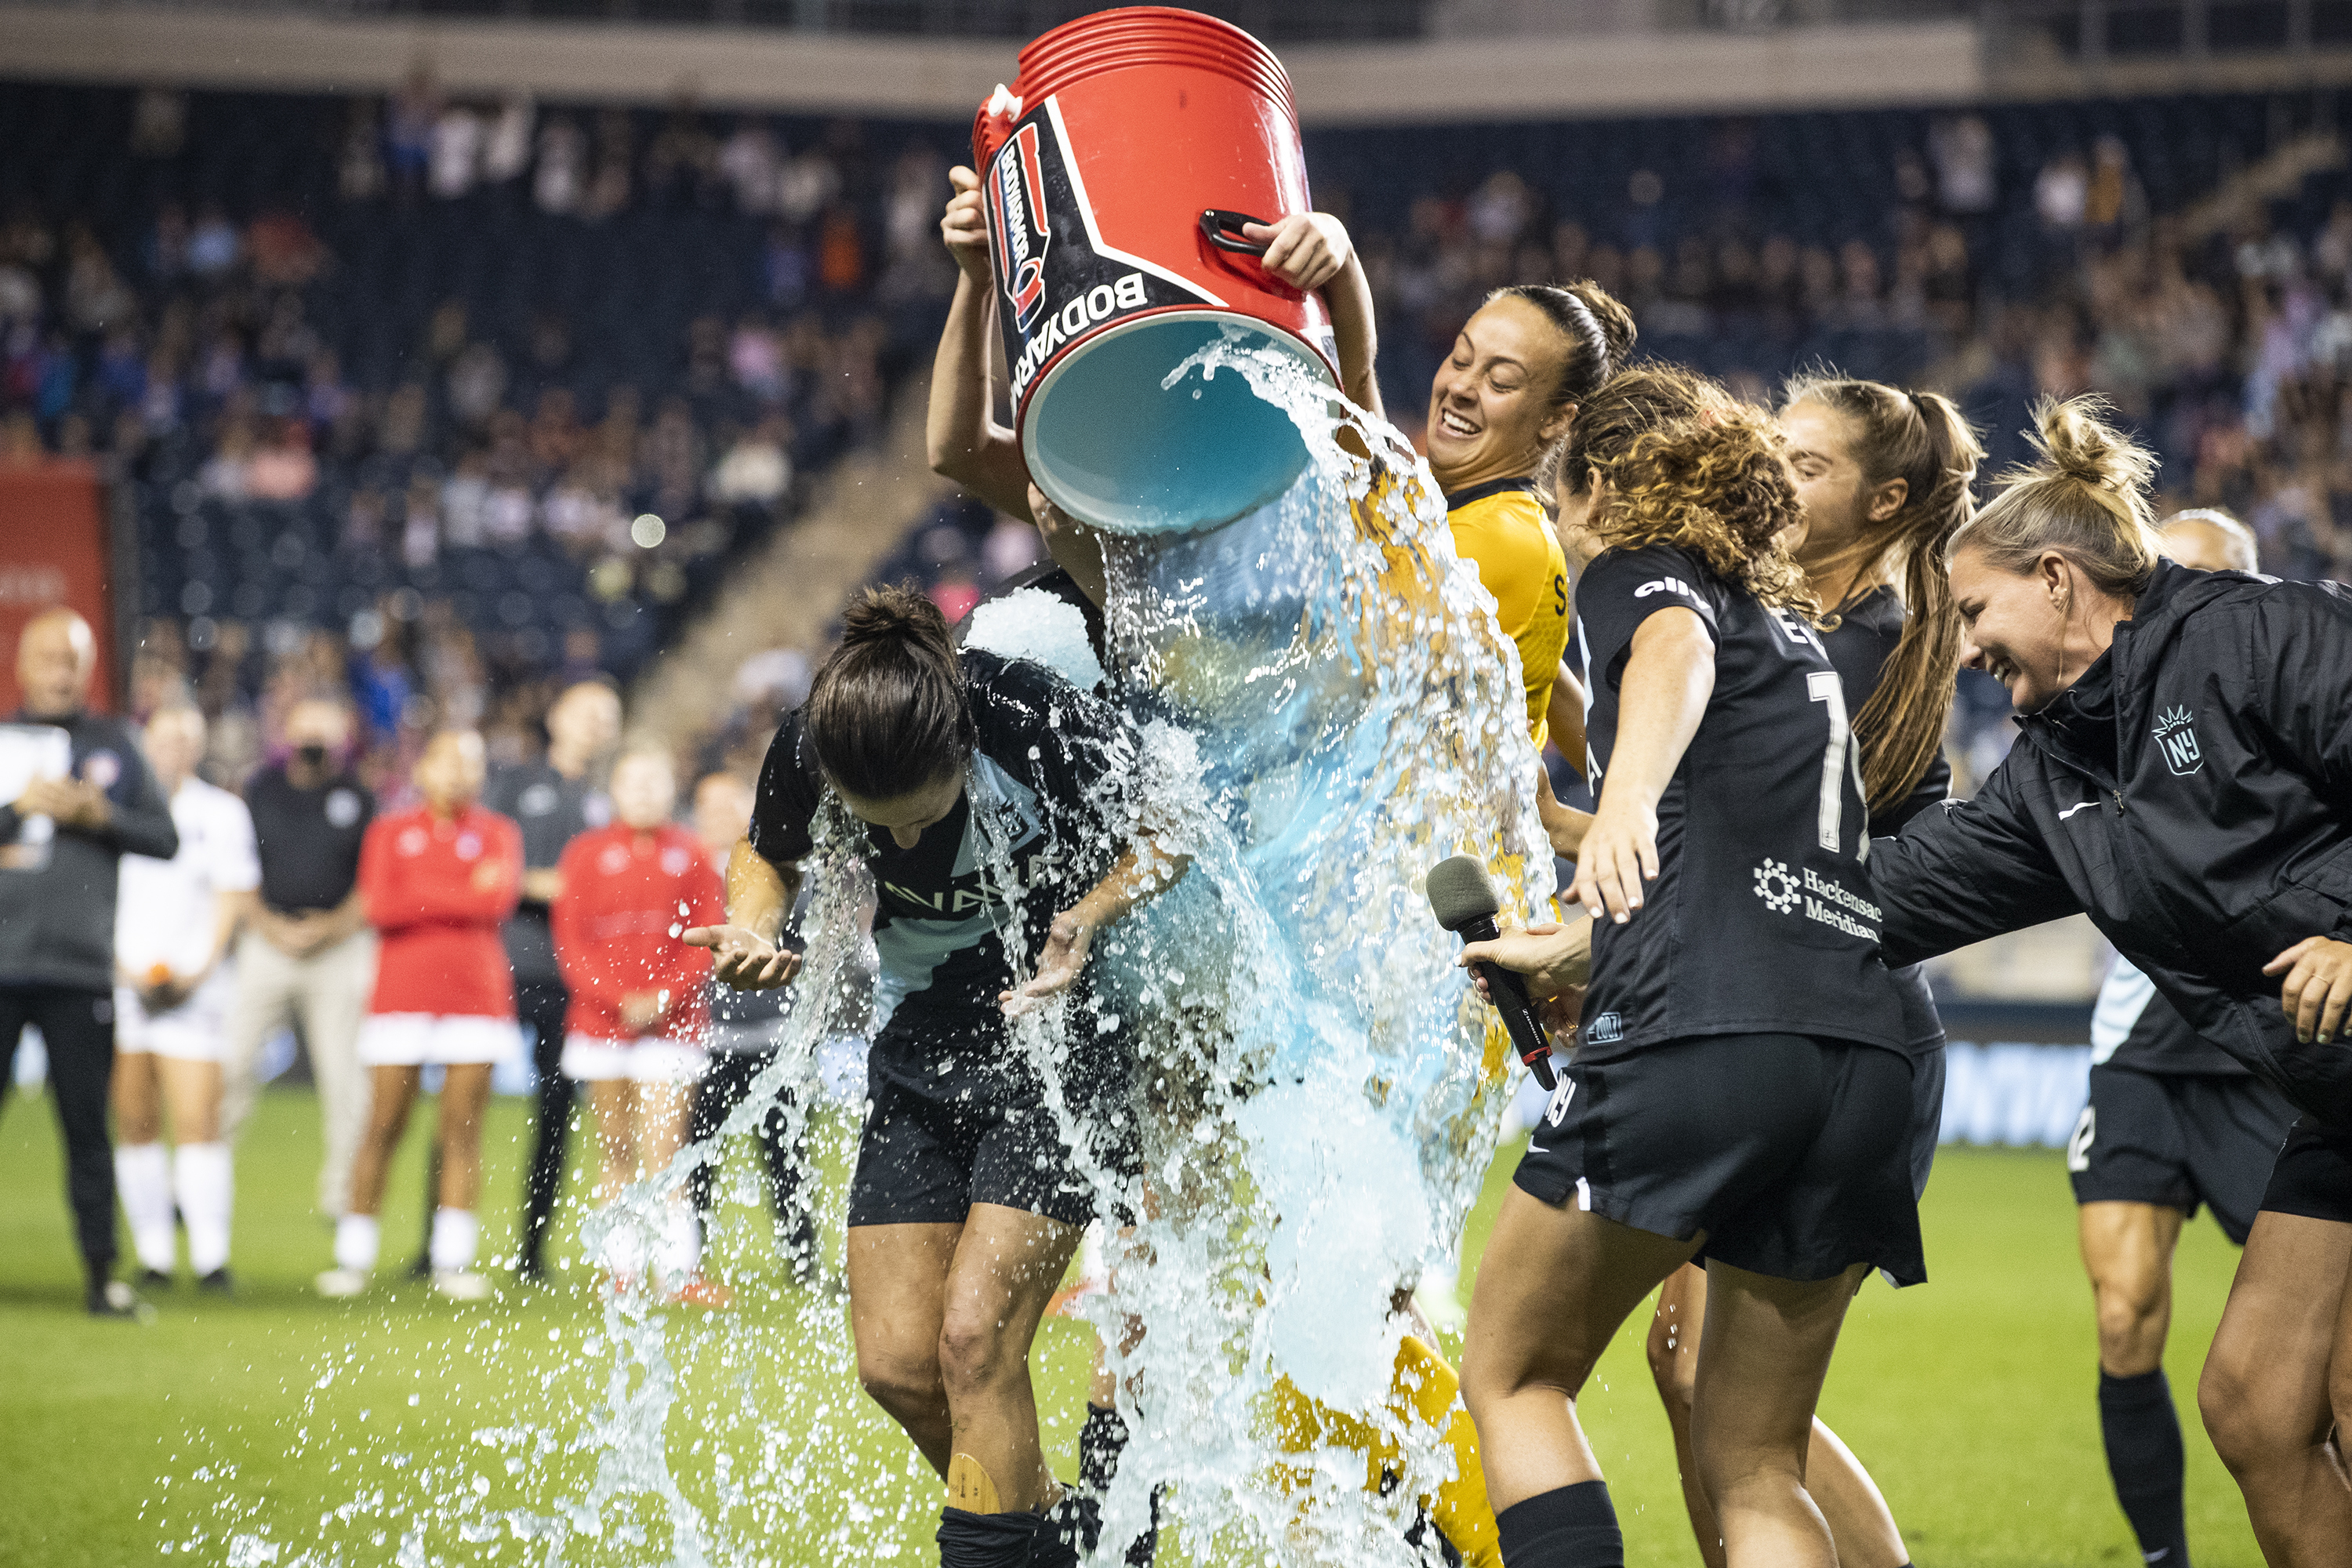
1325, 707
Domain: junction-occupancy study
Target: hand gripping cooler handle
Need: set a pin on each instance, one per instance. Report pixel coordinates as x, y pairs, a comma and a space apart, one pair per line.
1215, 223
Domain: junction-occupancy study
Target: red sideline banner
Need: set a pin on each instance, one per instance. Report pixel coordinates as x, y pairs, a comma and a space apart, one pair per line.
54, 549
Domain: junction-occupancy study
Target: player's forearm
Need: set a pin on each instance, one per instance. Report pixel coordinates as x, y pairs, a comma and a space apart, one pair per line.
1142, 872
759, 893
1669, 676
1564, 717
1349, 298
962, 439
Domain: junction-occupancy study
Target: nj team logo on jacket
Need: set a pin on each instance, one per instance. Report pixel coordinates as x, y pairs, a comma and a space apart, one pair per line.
2177, 735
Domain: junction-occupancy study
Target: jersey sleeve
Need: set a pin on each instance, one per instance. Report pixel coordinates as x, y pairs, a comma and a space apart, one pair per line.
1070, 746
566, 917
1622, 588
2301, 664
236, 855
1964, 871
786, 802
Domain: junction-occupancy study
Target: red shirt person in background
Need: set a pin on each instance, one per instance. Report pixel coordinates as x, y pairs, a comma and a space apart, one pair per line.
635, 1034
435, 881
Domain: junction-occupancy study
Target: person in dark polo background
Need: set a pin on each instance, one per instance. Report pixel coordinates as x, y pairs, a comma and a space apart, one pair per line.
556, 800
82, 797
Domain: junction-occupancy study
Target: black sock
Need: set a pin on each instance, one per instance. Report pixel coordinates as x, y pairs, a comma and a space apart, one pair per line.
1573, 1527
986, 1539
1101, 1441
2142, 1432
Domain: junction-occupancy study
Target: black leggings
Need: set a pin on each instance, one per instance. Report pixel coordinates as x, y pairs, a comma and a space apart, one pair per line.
724, 1085
78, 1028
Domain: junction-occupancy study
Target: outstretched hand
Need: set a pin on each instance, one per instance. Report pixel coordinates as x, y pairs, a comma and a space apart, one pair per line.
1305, 250
744, 959
2317, 988
1064, 954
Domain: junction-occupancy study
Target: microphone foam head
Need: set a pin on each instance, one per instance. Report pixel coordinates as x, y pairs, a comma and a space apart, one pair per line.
1460, 891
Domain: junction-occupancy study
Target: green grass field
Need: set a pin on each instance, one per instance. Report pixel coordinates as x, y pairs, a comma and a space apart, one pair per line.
1970, 1399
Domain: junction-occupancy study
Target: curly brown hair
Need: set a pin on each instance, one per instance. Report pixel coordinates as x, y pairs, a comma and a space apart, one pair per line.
1712, 482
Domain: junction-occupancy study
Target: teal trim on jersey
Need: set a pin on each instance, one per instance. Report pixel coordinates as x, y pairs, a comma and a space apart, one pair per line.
910, 949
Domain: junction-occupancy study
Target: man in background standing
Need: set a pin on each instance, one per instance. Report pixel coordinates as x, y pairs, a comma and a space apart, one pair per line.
554, 800
309, 953
79, 798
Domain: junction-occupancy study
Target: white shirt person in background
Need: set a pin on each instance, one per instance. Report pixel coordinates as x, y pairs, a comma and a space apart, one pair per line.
174, 923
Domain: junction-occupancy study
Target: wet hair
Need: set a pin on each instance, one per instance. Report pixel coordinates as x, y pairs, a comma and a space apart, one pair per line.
1921, 438
888, 711
2086, 499
1623, 409
1711, 481
1599, 330
2245, 554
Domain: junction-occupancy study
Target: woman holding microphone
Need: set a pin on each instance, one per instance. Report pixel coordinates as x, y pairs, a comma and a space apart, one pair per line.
1779, 1051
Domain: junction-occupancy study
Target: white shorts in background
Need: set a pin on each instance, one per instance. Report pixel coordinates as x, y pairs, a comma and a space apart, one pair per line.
195, 1031
649, 1060
416, 1039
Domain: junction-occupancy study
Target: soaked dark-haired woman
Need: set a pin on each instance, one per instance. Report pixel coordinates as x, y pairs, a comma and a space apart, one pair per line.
989, 797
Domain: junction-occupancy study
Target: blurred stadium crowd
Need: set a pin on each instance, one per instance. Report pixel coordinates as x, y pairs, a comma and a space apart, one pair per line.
451, 403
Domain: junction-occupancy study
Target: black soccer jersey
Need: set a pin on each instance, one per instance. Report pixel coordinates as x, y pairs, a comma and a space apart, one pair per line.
2132, 1027
1052, 768
1759, 919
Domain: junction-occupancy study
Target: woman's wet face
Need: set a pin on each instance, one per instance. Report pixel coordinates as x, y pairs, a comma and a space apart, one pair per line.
1490, 403
907, 815
2014, 626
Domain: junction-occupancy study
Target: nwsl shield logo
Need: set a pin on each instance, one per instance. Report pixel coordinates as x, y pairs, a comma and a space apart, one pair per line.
1021, 232
2178, 738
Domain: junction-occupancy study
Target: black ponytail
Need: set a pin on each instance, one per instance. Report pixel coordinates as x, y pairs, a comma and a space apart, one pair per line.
1599, 331
888, 711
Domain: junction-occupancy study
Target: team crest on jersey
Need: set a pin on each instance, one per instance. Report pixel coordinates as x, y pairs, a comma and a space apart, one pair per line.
100, 769
343, 808
1022, 233
1777, 886
2176, 735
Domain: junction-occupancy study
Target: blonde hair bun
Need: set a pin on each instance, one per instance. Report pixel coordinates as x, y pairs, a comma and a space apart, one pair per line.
2077, 442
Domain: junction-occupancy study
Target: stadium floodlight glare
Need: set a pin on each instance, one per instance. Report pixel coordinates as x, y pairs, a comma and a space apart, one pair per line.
647, 531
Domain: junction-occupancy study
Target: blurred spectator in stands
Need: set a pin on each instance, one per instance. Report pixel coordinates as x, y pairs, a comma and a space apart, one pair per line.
757, 469
213, 244
159, 122
774, 681
840, 251
2062, 192
683, 158
20, 293
787, 266
410, 117
560, 180
1964, 154
96, 298
282, 469
755, 359
359, 166
285, 254
478, 381
226, 474
1010, 548
608, 188
751, 163
506, 139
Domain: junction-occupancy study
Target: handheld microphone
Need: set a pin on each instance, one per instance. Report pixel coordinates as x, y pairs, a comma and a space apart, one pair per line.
1463, 896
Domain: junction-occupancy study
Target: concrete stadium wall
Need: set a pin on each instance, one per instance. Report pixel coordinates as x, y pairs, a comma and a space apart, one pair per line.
1440, 80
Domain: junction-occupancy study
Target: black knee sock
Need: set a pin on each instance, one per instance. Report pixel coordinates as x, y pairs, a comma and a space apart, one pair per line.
986, 1539
2143, 1437
1101, 1441
1573, 1527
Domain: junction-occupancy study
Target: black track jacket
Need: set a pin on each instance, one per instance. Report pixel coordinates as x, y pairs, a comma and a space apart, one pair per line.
2221, 835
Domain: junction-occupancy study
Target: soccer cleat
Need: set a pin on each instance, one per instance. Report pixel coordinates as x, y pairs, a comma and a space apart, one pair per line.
341, 1284
113, 1299
969, 1487
217, 1283
154, 1280
461, 1284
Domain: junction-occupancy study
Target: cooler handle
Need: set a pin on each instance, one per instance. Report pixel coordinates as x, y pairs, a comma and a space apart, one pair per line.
1214, 224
